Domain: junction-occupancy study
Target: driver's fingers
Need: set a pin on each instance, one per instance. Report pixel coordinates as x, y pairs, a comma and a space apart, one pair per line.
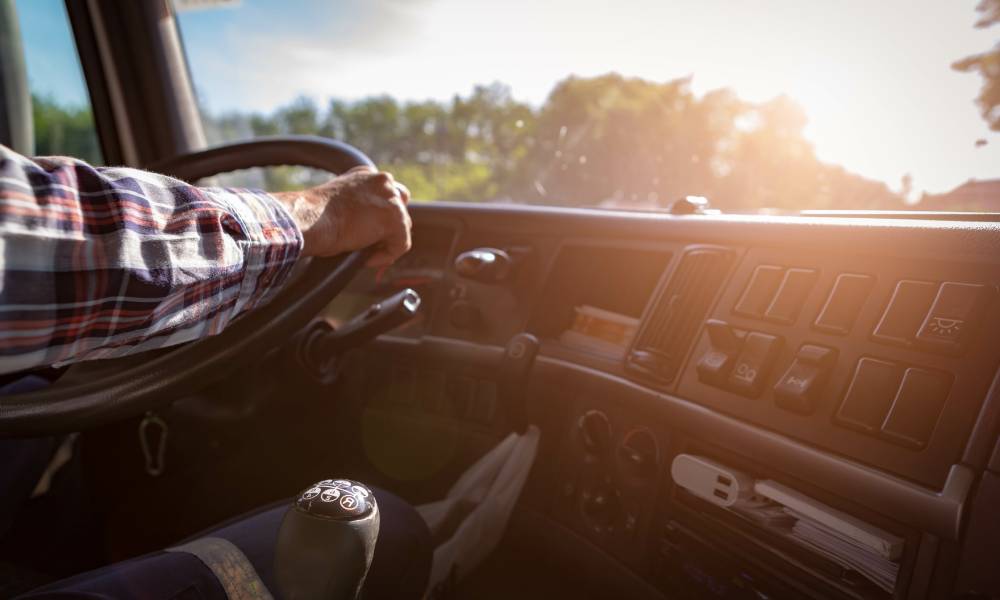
397, 240
403, 191
360, 169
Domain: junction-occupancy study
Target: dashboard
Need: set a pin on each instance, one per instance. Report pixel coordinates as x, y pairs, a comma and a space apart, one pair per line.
849, 359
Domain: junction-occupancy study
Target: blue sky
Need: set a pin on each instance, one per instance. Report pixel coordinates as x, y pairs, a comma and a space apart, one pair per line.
873, 77
50, 52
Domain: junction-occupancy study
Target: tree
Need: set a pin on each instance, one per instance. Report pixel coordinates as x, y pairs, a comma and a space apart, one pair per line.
618, 141
67, 131
987, 64
604, 141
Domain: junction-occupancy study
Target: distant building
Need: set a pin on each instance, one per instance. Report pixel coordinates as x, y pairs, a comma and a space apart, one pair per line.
971, 196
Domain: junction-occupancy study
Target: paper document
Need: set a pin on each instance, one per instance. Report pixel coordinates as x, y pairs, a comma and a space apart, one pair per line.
845, 551
861, 533
840, 538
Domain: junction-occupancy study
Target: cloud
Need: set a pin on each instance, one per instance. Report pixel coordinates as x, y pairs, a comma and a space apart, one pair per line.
874, 86
266, 57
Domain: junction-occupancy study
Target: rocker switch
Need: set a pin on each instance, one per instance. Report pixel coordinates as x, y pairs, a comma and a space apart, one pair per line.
870, 395
753, 363
795, 287
953, 318
760, 291
714, 366
724, 337
803, 382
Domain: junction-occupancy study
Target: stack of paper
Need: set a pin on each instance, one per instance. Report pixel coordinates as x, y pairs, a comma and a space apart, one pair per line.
842, 538
847, 552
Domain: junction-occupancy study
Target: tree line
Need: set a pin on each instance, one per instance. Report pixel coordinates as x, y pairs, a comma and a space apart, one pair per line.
606, 141
64, 130
600, 141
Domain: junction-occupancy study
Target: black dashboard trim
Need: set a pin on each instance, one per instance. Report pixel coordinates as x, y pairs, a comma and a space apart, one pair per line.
932, 511
905, 238
938, 512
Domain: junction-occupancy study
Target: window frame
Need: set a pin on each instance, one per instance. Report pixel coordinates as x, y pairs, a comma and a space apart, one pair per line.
137, 78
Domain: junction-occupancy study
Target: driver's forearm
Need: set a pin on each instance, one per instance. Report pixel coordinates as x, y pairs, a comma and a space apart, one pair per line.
105, 262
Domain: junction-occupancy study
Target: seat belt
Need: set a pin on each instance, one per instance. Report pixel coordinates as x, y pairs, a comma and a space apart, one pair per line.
229, 565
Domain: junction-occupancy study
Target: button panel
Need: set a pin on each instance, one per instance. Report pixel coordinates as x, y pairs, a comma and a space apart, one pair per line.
760, 291
916, 408
870, 395
933, 317
906, 311
844, 303
738, 360
787, 303
776, 293
861, 305
899, 404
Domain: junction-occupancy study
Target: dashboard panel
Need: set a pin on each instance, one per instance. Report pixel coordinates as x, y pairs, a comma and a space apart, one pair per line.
850, 358
873, 390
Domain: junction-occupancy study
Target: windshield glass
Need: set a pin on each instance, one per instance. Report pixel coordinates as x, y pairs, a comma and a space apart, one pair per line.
778, 105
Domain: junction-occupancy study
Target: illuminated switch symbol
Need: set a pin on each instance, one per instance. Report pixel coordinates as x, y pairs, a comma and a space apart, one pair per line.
715, 360
329, 495
944, 327
797, 382
349, 502
745, 372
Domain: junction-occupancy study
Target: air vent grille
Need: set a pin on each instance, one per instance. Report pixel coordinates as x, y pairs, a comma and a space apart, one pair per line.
671, 324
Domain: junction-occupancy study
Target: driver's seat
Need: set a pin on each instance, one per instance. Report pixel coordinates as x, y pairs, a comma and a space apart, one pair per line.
400, 567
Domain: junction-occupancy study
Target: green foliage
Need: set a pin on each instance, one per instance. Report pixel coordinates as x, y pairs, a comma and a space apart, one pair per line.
599, 141
64, 131
987, 64
453, 182
632, 143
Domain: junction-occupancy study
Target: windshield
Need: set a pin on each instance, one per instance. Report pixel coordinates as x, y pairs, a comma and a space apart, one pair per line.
776, 105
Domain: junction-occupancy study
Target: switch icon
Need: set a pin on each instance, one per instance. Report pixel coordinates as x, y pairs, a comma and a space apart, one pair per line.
952, 317
753, 363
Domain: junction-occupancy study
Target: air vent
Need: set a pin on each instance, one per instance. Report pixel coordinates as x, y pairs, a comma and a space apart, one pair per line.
671, 324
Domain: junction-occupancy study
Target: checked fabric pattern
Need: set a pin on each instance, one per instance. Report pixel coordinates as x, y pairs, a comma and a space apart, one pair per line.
102, 262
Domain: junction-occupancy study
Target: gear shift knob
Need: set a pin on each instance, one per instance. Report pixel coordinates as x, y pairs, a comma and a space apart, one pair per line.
326, 541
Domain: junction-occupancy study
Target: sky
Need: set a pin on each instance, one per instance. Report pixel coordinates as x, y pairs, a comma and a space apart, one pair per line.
50, 53
874, 78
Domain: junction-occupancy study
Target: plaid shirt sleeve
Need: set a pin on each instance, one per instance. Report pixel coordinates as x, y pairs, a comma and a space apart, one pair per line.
103, 262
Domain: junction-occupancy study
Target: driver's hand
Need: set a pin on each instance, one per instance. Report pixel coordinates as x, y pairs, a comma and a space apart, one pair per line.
352, 211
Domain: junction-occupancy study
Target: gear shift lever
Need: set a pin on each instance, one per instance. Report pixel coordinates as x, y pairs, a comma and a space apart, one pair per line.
326, 542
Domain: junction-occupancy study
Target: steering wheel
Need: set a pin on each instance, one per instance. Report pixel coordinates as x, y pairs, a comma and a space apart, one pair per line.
93, 393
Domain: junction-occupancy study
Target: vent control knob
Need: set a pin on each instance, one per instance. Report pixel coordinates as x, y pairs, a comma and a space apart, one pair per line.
595, 432
639, 452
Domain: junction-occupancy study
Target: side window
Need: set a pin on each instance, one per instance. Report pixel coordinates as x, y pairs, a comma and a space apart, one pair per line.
63, 120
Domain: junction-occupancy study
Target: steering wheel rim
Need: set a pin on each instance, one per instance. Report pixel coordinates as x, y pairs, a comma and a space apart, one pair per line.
110, 390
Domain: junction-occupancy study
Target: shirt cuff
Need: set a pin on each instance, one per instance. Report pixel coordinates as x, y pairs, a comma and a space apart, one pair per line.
271, 243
